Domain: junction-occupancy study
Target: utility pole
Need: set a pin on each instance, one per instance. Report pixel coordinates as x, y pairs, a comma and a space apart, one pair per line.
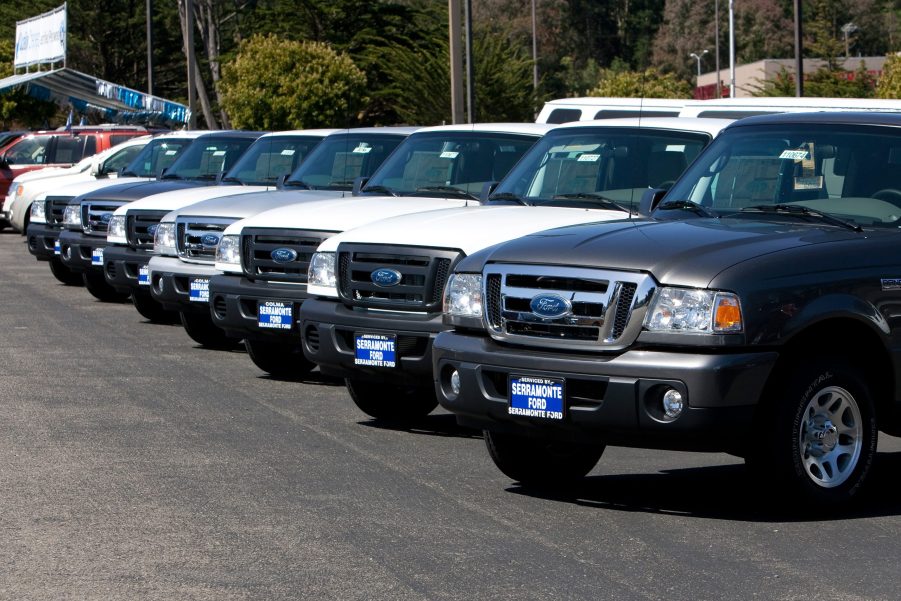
716, 34
189, 50
456, 60
149, 48
732, 48
799, 60
470, 69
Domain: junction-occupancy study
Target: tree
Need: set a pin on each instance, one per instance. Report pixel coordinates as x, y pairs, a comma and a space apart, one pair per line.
277, 84
649, 83
889, 84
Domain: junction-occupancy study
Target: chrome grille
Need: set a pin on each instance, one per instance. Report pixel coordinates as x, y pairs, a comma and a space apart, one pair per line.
95, 215
605, 309
421, 276
257, 246
140, 227
197, 238
55, 207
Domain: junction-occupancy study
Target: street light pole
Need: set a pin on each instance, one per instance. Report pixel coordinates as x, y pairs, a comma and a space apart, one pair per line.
697, 57
731, 49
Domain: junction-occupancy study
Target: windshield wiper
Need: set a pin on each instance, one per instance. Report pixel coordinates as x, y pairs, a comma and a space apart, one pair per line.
504, 196
447, 189
801, 211
232, 179
383, 189
602, 201
130, 174
685, 205
205, 177
297, 183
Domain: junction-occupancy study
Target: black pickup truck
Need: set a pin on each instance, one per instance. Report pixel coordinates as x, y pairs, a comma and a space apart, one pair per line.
756, 310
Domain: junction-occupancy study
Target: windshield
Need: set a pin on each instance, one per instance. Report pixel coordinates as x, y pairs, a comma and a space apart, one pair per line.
341, 158
852, 173
269, 158
209, 156
156, 156
592, 167
438, 163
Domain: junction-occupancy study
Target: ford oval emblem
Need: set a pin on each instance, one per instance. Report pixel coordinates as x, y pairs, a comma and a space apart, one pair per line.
105, 218
151, 229
550, 306
209, 240
386, 277
283, 255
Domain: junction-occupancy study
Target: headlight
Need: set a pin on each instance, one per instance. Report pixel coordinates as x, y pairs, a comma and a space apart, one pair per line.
694, 311
115, 233
39, 212
229, 250
321, 278
164, 239
463, 296
72, 216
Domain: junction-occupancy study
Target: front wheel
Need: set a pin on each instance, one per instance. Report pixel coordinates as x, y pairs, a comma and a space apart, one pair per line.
100, 289
818, 434
64, 274
279, 359
202, 330
151, 310
391, 402
541, 462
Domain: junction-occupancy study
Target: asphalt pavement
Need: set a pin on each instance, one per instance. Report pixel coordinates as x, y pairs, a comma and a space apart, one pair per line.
136, 465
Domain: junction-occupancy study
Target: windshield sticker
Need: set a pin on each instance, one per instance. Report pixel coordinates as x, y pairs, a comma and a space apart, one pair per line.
588, 158
809, 183
288, 152
795, 155
449, 154
507, 148
363, 148
219, 153
675, 148
169, 153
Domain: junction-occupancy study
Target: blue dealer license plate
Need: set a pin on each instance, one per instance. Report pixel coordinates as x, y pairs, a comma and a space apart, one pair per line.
56, 248
375, 350
540, 398
144, 275
199, 289
277, 315
97, 256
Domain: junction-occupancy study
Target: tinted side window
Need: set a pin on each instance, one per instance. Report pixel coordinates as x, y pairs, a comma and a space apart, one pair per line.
68, 149
564, 115
29, 151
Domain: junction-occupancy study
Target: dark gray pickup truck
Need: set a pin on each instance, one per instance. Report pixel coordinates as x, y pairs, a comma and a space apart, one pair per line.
756, 311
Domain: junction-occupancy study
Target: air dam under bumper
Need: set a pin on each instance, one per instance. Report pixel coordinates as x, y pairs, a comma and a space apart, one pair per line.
328, 329
171, 281
77, 250
41, 238
612, 399
122, 267
234, 303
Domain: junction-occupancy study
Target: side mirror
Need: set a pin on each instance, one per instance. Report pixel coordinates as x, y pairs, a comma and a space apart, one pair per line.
97, 169
359, 183
649, 201
487, 189
280, 181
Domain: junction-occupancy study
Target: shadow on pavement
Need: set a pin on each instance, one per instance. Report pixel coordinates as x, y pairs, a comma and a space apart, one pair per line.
431, 425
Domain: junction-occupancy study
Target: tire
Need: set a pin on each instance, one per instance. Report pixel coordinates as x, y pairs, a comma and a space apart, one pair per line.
391, 402
539, 462
99, 289
152, 311
818, 435
278, 359
202, 330
64, 274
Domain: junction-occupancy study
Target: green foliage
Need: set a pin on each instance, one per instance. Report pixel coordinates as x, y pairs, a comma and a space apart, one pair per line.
823, 83
277, 84
649, 83
889, 84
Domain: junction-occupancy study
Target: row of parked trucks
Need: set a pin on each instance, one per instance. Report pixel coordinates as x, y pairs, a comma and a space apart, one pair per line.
673, 283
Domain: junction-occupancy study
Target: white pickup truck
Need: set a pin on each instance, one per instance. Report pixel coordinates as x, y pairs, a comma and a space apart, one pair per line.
376, 291
179, 272
132, 227
265, 258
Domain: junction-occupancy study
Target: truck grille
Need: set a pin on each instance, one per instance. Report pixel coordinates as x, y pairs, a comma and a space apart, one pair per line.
420, 275
197, 238
96, 214
141, 227
601, 310
55, 207
296, 248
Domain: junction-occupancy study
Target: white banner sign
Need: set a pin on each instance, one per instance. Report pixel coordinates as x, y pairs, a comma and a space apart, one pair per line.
41, 39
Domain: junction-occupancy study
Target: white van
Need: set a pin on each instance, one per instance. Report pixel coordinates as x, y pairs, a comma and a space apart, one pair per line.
736, 108
564, 110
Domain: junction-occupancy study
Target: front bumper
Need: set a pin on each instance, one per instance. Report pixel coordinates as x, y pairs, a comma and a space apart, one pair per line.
82, 253
180, 286
234, 305
41, 240
328, 328
122, 268
616, 399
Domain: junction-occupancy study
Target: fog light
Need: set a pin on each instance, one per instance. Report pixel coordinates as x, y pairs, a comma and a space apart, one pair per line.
455, 382
672, 403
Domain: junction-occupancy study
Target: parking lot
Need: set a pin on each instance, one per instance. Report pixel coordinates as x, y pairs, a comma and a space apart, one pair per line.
136, 465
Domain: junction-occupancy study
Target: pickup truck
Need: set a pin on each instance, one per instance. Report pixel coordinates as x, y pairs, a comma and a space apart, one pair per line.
131, 230
753, 313
374, 322
180, 271
265, 258
48, 211
87, 217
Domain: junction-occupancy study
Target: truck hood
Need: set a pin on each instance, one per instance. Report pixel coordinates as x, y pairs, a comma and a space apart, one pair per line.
84, 187
176, 199
245, 205
343, 214
131, 191
686, 253
469, 228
